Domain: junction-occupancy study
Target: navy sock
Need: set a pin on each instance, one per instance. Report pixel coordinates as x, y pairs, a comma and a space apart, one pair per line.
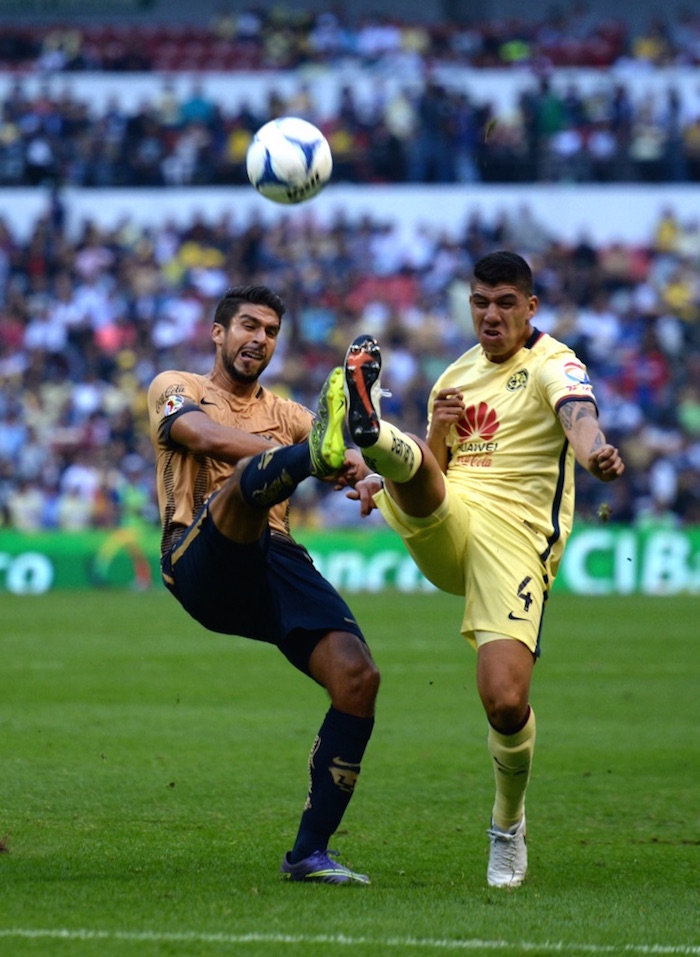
271, 477
334, 766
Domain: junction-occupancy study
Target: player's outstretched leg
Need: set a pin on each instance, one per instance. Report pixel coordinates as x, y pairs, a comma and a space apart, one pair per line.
326, 442
385, 448
272, 476
363, 364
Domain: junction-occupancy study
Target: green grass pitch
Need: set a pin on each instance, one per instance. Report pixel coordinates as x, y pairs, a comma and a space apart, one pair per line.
153, 774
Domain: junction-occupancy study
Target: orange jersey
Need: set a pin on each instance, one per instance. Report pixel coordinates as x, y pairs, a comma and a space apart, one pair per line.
185, 480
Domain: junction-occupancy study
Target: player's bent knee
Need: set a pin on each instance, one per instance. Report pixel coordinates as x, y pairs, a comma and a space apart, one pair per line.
360, 680
343, 664
370, 680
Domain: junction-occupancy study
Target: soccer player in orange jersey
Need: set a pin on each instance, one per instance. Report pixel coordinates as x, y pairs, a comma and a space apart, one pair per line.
229, 453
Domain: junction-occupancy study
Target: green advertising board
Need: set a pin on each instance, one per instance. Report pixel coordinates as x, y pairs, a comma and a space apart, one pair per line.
599, 560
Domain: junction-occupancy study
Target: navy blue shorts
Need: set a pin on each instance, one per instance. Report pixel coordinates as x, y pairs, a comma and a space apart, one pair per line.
270, 591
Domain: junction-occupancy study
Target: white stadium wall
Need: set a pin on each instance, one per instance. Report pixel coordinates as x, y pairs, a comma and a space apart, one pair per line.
603, 214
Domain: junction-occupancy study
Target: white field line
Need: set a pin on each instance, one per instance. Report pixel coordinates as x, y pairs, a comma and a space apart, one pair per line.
416, 943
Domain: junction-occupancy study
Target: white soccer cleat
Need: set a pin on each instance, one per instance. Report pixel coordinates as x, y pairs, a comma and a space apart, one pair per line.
508, 857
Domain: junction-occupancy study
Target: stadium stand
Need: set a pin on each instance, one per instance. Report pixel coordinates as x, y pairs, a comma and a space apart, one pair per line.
433, 116
87, 319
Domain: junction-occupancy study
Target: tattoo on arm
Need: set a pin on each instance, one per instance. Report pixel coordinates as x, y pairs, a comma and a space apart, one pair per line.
566, 416
573, 411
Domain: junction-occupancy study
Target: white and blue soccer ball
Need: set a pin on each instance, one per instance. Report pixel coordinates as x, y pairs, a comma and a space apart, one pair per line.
289, 160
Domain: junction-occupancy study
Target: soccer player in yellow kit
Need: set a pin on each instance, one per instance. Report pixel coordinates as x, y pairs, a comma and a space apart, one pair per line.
486, 503
229, 453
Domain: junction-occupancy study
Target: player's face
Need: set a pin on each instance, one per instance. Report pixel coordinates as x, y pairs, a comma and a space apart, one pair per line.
246, 347
501, 316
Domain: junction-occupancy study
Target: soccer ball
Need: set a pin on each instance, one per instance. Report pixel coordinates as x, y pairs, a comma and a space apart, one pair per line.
289, 160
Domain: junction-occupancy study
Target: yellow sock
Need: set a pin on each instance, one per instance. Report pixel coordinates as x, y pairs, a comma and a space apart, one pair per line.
394, 455
512, 760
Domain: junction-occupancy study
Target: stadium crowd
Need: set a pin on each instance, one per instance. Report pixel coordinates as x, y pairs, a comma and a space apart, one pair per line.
288, 37
431, 128
86, 323
433, 133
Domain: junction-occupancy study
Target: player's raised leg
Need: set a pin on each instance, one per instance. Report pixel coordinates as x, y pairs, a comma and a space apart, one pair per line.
385, 448
326, 442
272, 476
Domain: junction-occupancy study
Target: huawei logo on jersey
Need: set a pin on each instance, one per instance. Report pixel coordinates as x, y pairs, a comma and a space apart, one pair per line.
479, 424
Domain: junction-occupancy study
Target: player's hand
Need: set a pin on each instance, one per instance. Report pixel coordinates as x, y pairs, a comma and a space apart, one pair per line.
364, 492
448, 409
605, 463
353, 470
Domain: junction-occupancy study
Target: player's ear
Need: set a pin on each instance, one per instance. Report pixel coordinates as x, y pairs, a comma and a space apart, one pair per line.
218, 333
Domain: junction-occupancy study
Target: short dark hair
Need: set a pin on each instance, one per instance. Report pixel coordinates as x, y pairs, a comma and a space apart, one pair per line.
235, 297
505, 267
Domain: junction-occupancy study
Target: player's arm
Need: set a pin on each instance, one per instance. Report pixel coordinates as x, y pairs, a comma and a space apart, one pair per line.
195, 431
178, 422
579, 419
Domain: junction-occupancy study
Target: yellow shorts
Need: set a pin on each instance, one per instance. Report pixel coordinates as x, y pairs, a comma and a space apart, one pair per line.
464, 550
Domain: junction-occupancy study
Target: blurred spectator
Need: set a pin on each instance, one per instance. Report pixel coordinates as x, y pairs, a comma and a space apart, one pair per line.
74, 511
25, 506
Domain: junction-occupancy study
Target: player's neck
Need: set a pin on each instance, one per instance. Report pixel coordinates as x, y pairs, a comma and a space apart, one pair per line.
241, 388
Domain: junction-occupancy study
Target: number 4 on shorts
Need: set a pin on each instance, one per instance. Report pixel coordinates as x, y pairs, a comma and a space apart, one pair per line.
523, 595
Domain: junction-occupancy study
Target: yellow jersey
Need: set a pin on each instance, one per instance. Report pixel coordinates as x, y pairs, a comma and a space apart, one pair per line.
508, 454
